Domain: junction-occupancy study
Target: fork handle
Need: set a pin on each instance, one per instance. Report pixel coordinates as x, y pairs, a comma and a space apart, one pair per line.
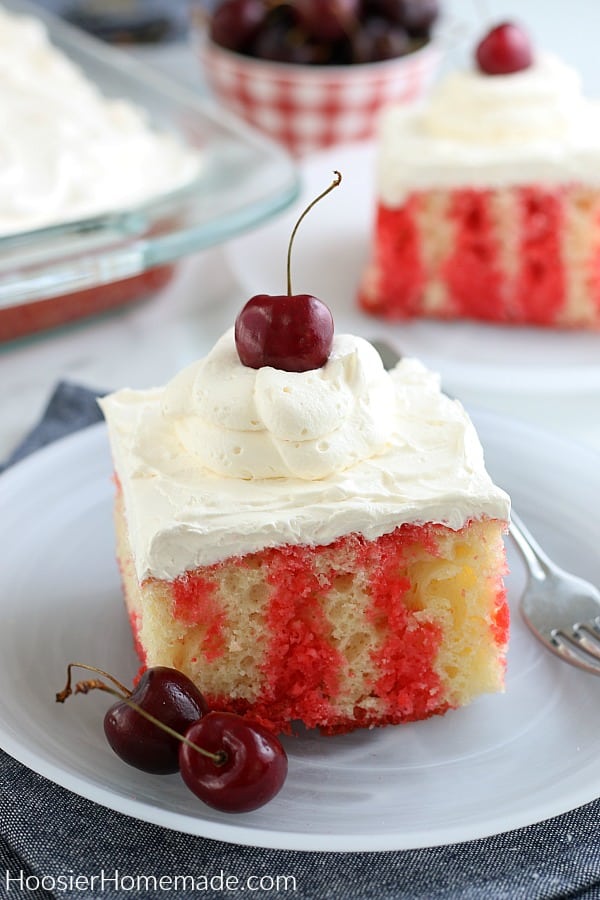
539, 565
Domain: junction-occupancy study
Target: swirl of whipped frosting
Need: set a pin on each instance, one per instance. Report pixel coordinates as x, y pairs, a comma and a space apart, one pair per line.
248, 423
66, 150
481, 131
541, 102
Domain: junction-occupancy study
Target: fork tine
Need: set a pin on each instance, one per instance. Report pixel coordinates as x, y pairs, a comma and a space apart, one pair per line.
588, 636
573, 650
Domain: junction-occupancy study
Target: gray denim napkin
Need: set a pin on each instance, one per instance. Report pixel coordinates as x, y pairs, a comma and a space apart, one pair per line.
55, 844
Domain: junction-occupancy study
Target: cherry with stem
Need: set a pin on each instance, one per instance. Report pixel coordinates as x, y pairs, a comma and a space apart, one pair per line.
231, 763
336, 181
82, 687
165, 694
291, 332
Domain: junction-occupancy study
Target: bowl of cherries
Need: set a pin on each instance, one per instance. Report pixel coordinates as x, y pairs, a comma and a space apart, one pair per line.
314, 73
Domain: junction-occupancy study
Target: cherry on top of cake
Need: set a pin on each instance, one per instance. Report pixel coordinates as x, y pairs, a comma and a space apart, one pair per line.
514, 93
291, 332
504, 50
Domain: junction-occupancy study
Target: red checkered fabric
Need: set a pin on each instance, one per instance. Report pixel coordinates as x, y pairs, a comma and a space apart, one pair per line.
307, 108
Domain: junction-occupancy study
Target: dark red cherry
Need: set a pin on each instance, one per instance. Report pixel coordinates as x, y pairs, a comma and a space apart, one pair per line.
292, 332
169, 696
416, 16
378, 40
504, 50
253, 767
279, 41
235, 23
327, 20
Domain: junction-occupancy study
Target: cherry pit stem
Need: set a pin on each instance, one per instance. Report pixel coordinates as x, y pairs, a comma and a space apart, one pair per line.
82, 687
124, 694
337, 180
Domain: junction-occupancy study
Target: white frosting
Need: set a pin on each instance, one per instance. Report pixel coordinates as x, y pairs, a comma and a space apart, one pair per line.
491, 130
225, 461
266, 423
66, 152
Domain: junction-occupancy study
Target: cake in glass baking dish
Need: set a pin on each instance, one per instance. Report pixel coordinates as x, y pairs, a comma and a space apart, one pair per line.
309, 537
488, 196
78, 161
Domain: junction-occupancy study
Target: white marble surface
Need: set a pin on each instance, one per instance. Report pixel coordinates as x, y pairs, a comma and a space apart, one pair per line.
148, 343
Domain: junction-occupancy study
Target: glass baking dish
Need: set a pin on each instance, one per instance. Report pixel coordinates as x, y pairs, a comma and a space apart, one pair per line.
53, 275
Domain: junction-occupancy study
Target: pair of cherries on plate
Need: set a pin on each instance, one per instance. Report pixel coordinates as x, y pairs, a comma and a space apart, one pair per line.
164, 726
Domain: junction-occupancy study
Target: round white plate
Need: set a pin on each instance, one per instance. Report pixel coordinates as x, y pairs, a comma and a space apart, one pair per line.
329, 255
508, 760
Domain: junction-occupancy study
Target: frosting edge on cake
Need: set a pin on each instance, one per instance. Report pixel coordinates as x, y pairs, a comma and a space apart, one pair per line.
478, 131
182, 515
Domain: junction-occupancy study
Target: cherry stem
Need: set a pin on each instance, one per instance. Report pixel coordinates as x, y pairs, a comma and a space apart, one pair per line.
67, 690
218, 758
333, 185
82, 687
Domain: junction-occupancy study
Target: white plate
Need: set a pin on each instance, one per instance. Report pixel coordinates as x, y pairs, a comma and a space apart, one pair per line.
507, 761
329, 255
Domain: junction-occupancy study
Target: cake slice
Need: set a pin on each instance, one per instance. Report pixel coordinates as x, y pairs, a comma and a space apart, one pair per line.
323, 547
488, 200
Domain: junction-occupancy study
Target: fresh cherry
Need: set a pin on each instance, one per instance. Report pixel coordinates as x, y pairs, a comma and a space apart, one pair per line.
327, 20
251, 764
169, 696
378, 40
292, 332
134, 724
232, 763
504, 50
235, 23
322, 32
279, 41
416, 16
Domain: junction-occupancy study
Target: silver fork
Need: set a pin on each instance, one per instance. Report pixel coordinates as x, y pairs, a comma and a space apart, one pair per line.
561, 609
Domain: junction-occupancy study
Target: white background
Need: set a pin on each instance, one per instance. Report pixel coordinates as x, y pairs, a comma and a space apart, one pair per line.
570, 28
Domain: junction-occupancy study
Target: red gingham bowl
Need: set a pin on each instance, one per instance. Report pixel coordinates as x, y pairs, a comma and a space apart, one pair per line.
307, 108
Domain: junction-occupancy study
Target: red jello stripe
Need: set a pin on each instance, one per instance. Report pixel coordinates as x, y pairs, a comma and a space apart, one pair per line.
501, 622
407, 681
399, 264
301, 666
593, 271
472, 271
194, 602
540, 288
135, 622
